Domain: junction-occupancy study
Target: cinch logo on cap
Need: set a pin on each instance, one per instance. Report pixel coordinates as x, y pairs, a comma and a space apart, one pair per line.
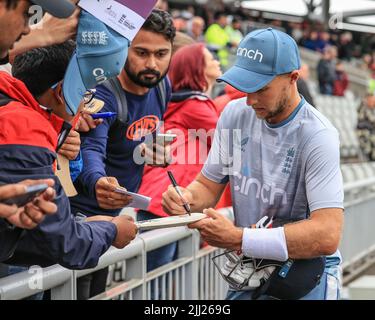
99, 75
251, 54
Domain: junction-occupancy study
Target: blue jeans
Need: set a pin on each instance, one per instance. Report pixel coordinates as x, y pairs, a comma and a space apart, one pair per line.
327, 289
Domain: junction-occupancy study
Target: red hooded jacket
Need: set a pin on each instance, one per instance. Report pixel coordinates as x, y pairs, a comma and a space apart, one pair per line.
29, 137
23, 121
194, 114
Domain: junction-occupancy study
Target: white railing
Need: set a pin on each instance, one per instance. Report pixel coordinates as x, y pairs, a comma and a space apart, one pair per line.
192, 275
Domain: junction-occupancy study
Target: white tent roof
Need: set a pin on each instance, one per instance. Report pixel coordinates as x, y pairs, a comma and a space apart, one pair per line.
368, 20
298, 7
337, 7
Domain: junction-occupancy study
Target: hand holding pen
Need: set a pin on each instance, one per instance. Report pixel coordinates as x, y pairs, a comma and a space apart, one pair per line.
175, 185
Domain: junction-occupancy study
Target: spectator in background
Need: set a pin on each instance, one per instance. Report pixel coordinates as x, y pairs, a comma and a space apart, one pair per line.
195, 29
327, 70
341, 82
312, 42
366, 62
346, 46
303, 89
366, 127
217, 38
234, 31
191, 10
192, 72
181, 40
162, 5
372, 63
296, 31
371, 84
304, 38
324, 40
181, 20
371, 66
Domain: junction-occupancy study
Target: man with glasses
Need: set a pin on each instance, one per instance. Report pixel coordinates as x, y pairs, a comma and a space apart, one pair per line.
14, 18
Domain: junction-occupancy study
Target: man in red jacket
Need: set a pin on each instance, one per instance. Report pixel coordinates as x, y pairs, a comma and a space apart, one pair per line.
14, 24
30, 135
29, 138
342, 80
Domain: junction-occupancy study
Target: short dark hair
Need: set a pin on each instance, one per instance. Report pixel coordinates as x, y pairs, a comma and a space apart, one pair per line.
41, 68
161, 22
219, 14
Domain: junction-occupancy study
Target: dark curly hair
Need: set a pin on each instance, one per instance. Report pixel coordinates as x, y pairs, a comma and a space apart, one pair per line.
161, 22
41, 68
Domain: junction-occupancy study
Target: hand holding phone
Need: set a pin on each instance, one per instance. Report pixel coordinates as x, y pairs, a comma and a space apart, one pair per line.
30, 194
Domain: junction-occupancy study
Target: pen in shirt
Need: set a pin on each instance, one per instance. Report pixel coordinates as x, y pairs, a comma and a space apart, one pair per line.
175, 185
103, 115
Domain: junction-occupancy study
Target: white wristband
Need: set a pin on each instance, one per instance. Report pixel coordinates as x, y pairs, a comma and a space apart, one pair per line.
265, 243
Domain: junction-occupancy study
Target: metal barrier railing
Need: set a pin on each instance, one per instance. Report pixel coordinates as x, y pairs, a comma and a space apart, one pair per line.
180, 279
192, 275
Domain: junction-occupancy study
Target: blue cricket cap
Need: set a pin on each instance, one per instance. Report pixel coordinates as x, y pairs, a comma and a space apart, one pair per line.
261, 56
100, 55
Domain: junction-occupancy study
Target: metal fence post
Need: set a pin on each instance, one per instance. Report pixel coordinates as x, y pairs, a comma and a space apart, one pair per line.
67, 290
188, 247
136, 269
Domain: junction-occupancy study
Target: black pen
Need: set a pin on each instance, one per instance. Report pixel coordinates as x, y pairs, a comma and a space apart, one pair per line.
175, 185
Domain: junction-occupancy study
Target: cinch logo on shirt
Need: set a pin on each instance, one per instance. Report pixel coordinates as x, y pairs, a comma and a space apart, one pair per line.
267, 193
251, 54
142, 127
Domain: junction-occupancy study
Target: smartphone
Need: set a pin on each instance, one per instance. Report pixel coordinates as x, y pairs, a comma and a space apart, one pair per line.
31, 193
166, 137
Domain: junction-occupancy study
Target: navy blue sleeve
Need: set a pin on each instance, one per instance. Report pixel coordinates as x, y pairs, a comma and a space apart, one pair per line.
94, 145
61, 239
